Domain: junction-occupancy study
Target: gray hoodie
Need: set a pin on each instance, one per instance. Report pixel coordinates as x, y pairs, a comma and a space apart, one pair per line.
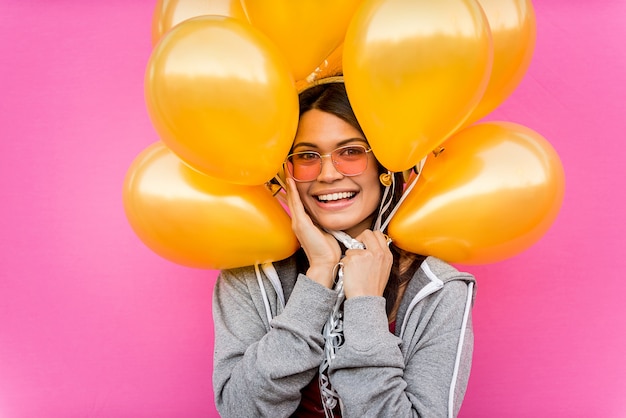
269, 345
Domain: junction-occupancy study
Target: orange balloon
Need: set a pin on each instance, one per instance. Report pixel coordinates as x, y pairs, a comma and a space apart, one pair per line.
331, 66
197, 221
414, 70
514, 30
306, 31
169, 13
220, 95
493, 192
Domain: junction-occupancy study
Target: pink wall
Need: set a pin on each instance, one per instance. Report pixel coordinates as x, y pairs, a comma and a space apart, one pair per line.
93, 324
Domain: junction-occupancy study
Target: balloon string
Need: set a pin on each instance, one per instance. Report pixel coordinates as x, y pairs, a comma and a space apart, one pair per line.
405, 193
385, 202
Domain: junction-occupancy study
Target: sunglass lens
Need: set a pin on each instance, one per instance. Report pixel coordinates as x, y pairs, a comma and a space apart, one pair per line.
351, 161
303, 171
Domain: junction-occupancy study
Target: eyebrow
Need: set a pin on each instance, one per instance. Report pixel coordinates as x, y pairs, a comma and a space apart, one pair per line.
339, 144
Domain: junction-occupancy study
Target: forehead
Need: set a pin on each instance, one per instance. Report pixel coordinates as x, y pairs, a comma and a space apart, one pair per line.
323, 130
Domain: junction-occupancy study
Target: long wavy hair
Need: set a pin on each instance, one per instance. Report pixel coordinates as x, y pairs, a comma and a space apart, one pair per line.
333, 98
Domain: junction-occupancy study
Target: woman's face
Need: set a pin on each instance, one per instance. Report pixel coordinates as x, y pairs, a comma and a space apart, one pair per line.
335, 201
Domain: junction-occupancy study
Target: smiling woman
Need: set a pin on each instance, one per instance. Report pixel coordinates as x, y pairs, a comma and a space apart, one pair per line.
316, 334
340, 193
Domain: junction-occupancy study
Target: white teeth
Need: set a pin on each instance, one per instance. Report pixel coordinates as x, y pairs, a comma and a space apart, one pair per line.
335, 196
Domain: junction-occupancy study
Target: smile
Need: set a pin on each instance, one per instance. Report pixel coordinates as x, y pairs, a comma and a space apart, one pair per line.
335, 196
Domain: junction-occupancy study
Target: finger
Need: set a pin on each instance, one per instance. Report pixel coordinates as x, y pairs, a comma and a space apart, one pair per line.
289, 189
388, 240
293, 200
299, 217
383, 238
373, 239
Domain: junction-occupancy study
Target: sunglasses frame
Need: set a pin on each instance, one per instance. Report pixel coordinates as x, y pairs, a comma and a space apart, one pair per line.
328, 155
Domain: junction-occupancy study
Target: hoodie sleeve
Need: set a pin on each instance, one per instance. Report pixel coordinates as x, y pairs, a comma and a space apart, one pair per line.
257, 372
375, 377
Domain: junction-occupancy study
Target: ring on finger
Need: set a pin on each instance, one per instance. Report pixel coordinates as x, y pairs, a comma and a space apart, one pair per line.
388, 239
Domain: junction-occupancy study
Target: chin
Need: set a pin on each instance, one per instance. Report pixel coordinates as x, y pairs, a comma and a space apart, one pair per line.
335, 224
340, 223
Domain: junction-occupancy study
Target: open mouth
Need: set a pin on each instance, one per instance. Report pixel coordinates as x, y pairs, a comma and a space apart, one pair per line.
332, 197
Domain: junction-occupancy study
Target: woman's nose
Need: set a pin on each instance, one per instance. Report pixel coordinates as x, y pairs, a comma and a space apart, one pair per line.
328, 171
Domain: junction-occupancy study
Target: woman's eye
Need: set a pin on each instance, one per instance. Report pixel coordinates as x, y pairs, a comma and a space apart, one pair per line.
352, 152
306, 156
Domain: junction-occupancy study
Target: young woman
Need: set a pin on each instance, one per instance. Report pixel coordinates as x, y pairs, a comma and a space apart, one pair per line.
350, 325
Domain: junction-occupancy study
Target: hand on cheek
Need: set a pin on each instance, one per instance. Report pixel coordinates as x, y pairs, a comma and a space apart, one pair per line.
321, 248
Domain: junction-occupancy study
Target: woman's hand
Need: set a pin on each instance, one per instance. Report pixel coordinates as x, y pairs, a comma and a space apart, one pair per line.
321, 248
366, 272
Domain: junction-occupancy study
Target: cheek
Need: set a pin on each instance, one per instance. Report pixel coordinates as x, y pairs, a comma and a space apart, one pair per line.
302, 189
372, 192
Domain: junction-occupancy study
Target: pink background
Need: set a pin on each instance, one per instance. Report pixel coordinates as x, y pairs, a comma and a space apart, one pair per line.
93, 324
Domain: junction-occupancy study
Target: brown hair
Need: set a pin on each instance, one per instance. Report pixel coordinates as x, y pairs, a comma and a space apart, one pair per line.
333, 98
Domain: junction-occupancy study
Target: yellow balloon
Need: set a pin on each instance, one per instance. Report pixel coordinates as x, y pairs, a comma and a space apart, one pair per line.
197, 221
306, 31
221, 96
331, 66
169, 13
493, 192
514, 31
414, 70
